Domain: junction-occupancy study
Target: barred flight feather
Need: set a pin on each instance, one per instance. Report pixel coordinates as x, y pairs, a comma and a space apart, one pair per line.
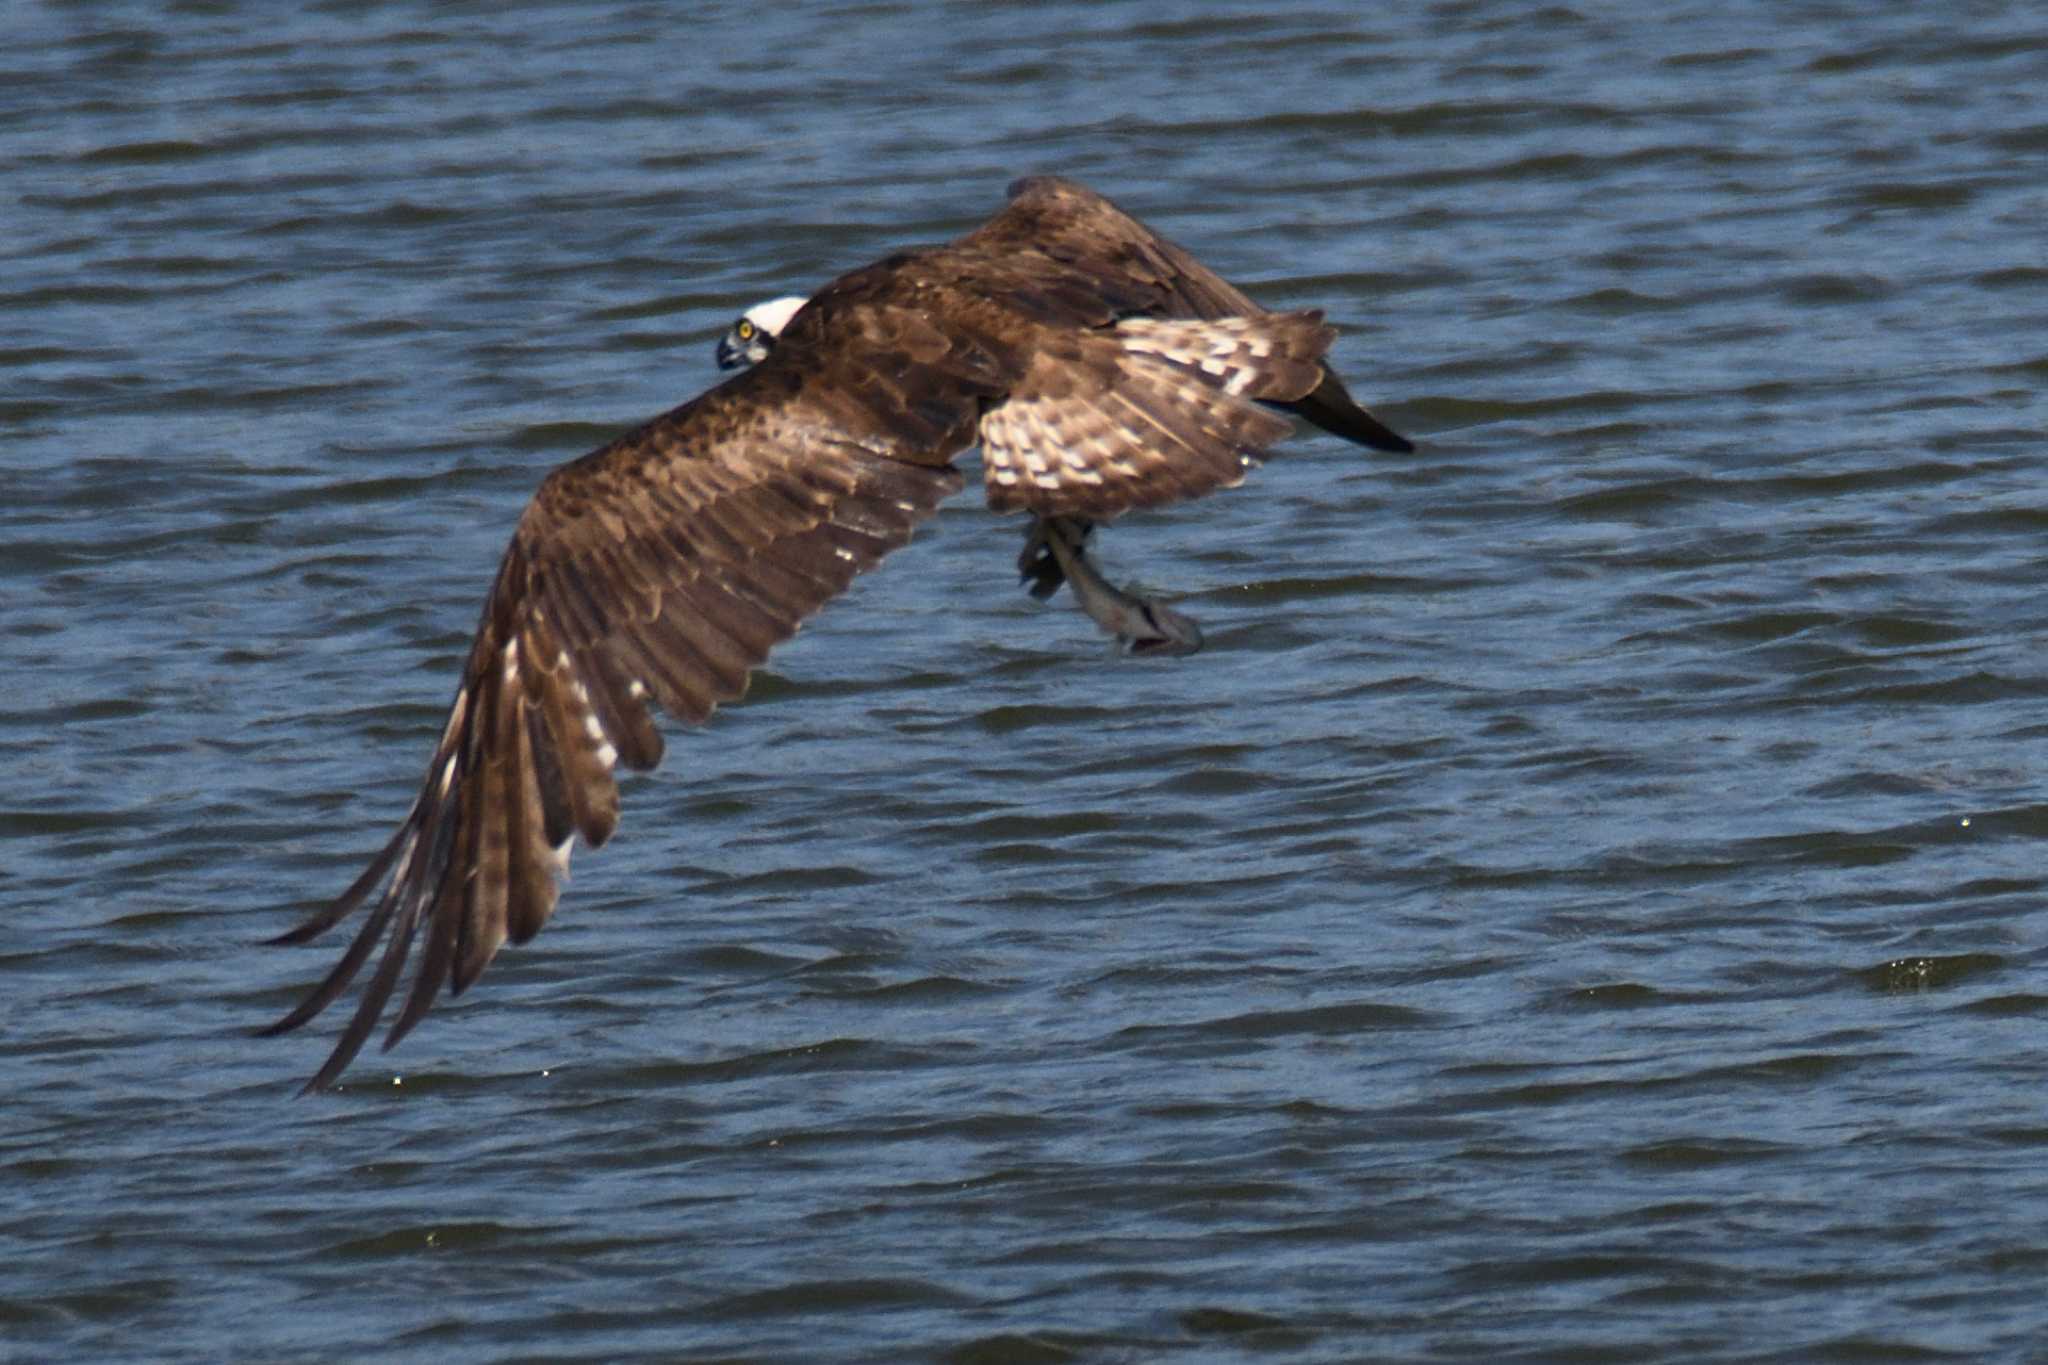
1101, 368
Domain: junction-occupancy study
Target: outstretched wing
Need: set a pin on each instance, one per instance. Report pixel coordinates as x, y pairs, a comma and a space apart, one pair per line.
661, 567
1132, 270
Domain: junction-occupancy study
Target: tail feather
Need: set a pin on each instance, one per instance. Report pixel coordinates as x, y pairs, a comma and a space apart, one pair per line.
1330, 406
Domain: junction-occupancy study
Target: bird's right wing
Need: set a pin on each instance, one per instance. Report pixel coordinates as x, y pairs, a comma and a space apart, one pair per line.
662, 567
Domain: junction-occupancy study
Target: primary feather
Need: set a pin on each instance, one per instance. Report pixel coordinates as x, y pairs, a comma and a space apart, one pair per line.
1099, 367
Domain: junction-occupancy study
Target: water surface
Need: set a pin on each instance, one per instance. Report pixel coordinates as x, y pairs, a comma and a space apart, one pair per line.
1585, 901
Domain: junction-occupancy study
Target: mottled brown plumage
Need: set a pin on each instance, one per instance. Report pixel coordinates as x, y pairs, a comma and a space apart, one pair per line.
1101, 369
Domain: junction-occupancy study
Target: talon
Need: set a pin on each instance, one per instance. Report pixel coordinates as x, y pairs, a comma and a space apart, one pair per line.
1141, 625
1038, 566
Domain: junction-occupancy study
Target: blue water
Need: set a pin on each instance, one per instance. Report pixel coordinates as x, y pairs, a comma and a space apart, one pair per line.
1584, 903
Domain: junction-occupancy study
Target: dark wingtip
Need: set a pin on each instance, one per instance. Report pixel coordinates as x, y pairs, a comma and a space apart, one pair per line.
299, 933
327, 1073
324, 1078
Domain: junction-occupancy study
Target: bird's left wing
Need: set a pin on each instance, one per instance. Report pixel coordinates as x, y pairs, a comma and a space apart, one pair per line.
1130, 269
661, 567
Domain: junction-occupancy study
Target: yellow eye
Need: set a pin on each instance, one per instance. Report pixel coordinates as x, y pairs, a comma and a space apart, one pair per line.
746, 330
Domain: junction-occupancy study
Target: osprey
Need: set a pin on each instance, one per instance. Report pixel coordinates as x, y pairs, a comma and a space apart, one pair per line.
1099, 367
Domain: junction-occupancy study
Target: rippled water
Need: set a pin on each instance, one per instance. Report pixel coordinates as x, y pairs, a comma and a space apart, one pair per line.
1585, 901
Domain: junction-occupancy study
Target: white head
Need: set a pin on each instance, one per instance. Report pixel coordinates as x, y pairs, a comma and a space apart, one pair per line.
753, 336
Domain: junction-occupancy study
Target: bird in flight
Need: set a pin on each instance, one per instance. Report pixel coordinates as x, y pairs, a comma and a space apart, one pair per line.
1099, 367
